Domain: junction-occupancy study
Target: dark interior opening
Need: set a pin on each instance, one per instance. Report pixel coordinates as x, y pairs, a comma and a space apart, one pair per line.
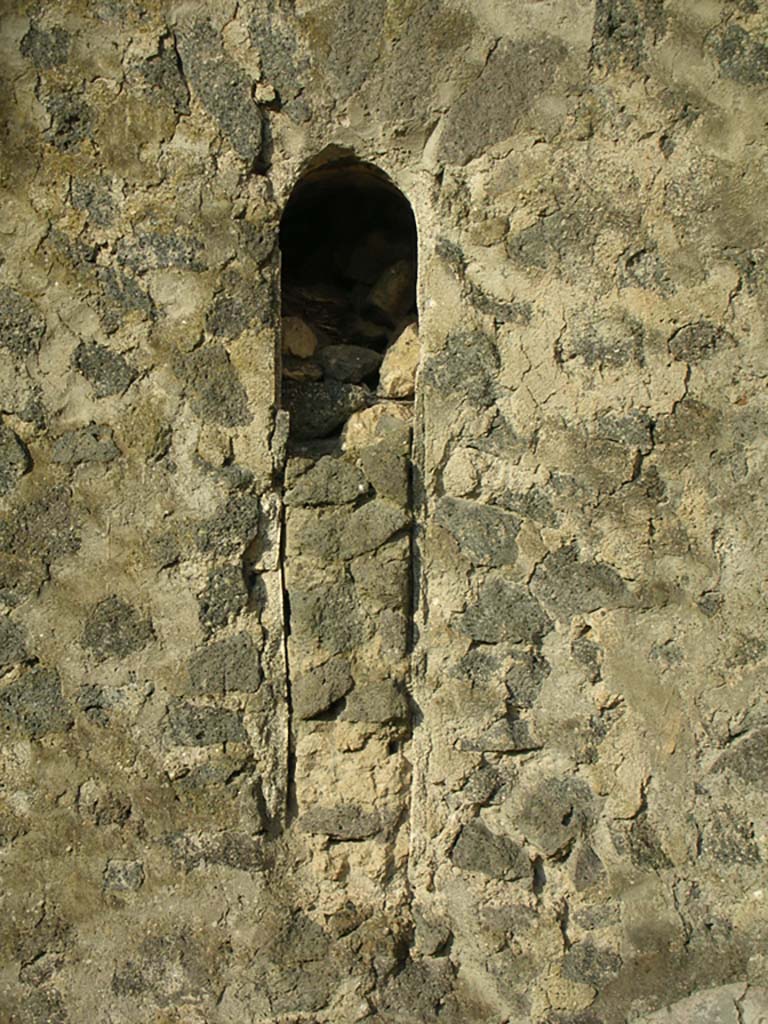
348, 243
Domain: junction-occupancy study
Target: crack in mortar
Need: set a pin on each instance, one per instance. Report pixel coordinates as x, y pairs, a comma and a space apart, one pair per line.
291, 803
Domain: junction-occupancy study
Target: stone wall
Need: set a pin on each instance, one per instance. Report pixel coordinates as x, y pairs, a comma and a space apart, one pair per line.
457, 720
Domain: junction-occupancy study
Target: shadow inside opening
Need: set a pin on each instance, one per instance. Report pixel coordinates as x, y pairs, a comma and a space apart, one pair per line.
348, 244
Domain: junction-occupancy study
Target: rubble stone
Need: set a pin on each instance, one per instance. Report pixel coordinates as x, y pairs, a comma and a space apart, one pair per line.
394, 291
123, 875
350, 363
479, 849
318, 409
365, 426
448, 703
298, 338
301, 370
230, 665
12, 644
202, 726
316, 690
116, 629
108, 372
85, 444
34, 705
504, 611
397, 376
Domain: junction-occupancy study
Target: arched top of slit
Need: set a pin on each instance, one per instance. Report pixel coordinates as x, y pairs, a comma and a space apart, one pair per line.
350, 323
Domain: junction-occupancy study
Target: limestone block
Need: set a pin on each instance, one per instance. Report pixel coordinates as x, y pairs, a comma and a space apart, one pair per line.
754, 1005
714, 1006
366, 426
298, 338
397, 376
460, 475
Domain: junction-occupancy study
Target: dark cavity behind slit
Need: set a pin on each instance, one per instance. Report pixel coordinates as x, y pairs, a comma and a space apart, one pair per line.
348, 243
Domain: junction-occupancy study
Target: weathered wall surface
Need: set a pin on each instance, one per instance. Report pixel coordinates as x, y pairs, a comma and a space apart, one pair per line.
551, 806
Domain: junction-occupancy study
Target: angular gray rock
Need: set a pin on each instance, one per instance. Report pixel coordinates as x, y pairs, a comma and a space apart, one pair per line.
350, 363
484, 533
230, 665
345, 822
200, 726
93, 443
315, 690
34, 705
479, 849
107, 372
504, 611
330, 481
116, 629
318, 409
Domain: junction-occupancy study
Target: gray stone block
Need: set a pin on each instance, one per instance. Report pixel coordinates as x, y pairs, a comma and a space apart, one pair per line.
34, 705
115, 629
194, 726
478, 849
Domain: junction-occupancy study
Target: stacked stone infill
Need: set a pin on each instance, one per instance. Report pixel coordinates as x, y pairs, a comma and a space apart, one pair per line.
346, 347
348, 582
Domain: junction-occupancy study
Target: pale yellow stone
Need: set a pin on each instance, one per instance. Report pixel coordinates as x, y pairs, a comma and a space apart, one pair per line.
460, 476
397, 376
265, 93
298, 338
214, 445
366, 427
490, 231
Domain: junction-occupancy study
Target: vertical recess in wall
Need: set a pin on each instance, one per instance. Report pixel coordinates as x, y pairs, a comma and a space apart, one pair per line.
350, 349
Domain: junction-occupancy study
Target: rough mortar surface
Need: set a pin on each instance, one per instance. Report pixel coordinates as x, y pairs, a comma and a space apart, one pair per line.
464, 720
